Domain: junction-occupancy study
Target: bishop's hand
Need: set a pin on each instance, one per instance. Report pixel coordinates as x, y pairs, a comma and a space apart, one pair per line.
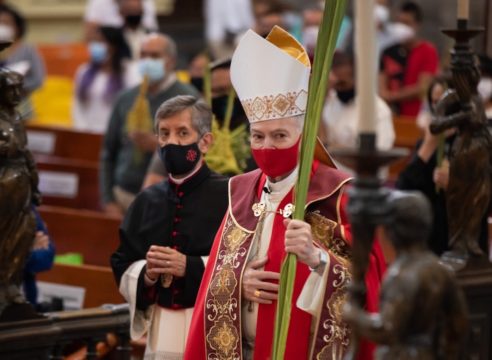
257, 284
299, 241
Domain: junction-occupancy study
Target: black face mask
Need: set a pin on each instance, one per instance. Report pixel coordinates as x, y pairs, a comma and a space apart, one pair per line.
197, 82
179, 159
346, 96
219, 107
133, 21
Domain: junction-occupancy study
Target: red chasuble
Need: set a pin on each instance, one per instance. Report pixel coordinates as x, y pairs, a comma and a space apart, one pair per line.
216, 330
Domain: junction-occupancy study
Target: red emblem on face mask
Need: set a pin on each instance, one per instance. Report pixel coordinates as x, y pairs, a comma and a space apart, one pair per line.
191, 155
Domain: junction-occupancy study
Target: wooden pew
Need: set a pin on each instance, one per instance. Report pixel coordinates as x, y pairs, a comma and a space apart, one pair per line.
98, 281
63, 59
406, 136
69, 183
90, 233
95, 236
64, 142
407, 133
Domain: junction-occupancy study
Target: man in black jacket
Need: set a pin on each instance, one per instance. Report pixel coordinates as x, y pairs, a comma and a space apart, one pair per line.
169, 229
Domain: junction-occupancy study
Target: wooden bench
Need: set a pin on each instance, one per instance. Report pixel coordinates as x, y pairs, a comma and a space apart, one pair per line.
90, 233
63, 59
64, 142
98, 281
69, 183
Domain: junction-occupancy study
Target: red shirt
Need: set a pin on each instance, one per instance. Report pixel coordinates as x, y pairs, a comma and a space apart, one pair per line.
422, 59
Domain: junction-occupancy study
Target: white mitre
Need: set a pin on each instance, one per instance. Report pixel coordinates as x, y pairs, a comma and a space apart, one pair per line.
271, 76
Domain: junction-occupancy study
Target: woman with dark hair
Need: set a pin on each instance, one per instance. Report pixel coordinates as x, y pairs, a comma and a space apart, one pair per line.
20, 56
98, 82
423, 173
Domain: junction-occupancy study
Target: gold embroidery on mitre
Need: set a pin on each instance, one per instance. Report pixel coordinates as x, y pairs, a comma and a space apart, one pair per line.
224, 338
323, 230
281, 104
275, 106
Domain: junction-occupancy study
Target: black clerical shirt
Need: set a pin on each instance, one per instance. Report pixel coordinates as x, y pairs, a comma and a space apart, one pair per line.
182, 216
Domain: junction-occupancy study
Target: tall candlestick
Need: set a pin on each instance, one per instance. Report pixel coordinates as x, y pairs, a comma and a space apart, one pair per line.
463, 9
365, 37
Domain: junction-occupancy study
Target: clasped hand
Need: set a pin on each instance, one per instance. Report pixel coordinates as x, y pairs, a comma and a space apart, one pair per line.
164, 260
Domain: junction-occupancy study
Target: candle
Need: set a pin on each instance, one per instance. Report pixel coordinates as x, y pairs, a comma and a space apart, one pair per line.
463, 9
366, 68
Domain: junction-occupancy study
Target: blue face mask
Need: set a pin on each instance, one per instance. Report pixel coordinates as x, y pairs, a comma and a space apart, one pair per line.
98, 51
154, 69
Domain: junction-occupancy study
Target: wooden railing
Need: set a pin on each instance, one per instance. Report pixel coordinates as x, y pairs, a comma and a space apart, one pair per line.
50, 336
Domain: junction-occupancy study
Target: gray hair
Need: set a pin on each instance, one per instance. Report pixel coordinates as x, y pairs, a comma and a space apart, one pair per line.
171, 48
300, 121
201, 114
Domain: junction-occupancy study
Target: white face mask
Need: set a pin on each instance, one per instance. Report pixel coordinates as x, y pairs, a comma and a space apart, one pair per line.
401, 32
485, 88
6, 33
381, 14
154, 69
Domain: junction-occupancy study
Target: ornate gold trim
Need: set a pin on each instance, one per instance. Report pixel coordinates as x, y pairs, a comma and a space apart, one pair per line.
275, 106
231, 214
222, 320
330, 194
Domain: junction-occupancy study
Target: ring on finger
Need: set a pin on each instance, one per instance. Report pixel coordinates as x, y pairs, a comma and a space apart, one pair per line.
257, 293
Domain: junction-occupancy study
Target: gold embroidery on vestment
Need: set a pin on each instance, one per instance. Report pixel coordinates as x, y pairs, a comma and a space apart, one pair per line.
323, 230
223, 337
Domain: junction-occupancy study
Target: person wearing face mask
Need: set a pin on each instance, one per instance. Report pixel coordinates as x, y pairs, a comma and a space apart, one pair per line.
98, 82
166, 236
107, 13
407, 68
339, 121
22, 57
220, 87
127, 152
235, 309
312, 16
131, 12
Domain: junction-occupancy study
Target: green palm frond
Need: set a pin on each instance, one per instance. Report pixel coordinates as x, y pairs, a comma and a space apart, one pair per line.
325, 48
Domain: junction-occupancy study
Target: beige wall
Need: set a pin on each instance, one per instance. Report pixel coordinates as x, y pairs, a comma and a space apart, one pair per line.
55, 21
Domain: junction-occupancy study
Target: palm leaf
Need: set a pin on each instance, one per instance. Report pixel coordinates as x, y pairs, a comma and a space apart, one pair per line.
325, 48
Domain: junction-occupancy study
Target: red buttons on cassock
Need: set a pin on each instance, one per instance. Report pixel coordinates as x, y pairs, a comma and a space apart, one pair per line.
179, 206
174, 233
177, 220
180, 194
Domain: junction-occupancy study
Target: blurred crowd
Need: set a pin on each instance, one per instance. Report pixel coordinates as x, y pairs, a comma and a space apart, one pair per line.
132, 69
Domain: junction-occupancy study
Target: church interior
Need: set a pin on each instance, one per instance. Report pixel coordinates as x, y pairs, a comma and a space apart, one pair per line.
87, 104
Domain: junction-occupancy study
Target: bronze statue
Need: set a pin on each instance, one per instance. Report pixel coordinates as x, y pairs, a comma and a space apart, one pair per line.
422, 310
468, 193
18, 191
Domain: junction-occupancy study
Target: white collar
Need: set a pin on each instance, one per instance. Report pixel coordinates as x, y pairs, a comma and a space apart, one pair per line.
279, 189
180, 181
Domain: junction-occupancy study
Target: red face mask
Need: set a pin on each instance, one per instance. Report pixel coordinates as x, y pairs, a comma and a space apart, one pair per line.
277, 162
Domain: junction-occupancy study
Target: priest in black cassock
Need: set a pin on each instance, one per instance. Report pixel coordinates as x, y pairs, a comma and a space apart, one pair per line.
169, 229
